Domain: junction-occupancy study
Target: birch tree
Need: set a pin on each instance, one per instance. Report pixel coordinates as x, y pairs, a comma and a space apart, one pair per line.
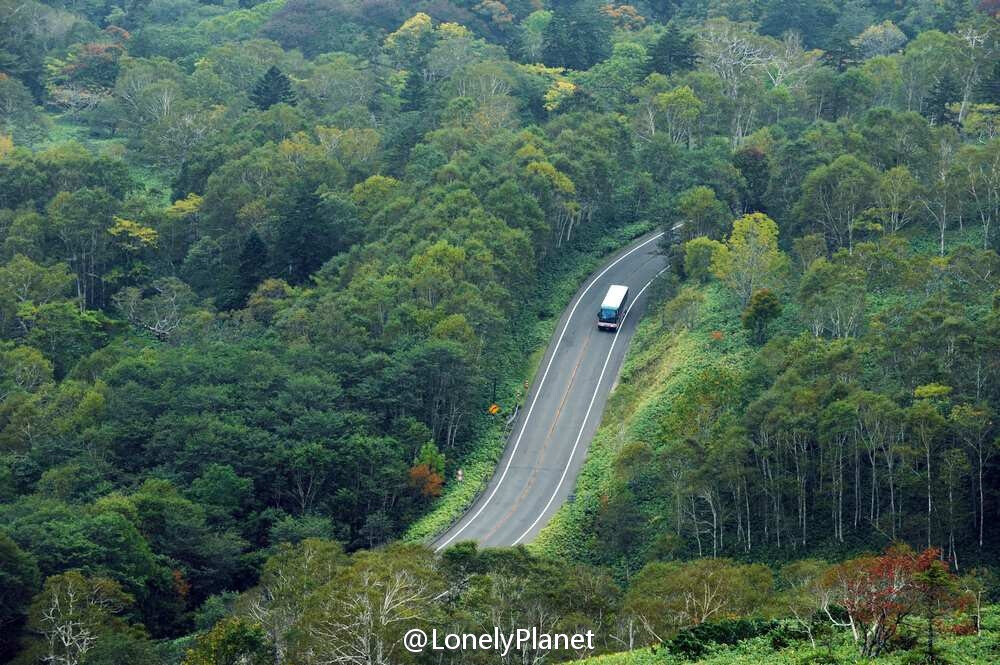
73, 612
81, 220
834, 298
836, 197
976, 46
161, 310
980, 166
734, 53
359, 617
680, 109
897, 198
925, 424
669, 595
879, 39
972, 425
287, 580
940, 197
787, 64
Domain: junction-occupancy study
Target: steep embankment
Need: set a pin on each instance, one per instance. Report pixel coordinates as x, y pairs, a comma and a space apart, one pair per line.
672, 350
559, 285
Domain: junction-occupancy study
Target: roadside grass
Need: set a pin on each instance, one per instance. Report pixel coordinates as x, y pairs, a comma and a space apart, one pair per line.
557, 286
665, 357
663, 360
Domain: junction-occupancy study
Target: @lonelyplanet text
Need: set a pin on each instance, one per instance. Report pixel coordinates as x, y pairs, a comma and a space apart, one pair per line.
417, 640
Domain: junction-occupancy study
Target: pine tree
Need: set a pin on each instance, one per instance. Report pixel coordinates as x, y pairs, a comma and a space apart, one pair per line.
304, 240
944, 93
988, 90
252, 267
763, 308
578, 36
272, 88
414, 92
673, 52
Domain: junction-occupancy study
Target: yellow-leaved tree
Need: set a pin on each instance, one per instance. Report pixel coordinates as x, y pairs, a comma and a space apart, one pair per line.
750, 258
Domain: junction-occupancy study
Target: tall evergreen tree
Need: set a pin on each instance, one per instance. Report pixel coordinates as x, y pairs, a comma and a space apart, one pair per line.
414, 92
662, 10
305, 239
944, 93
252, 268
673, 52
272, 88
815, 20
988, 90
578, 36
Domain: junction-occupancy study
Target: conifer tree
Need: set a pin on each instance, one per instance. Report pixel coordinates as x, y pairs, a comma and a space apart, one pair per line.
988, 90
944, 93
578, 36
673, 52
414, 93
252, 267
272, 88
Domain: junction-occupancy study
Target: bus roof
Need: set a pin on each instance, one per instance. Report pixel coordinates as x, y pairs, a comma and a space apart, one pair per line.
616, 294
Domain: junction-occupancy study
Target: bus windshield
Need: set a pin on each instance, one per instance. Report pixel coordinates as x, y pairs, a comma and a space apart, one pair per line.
607, 314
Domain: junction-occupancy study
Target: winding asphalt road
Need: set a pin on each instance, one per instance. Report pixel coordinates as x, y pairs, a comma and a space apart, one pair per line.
549, 440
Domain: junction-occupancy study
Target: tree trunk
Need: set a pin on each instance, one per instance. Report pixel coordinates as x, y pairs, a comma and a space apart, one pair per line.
982, 505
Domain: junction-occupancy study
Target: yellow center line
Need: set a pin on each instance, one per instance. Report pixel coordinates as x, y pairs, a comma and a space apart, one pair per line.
545, 443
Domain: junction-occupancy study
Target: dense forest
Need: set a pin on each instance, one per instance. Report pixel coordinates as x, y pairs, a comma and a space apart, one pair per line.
263, 266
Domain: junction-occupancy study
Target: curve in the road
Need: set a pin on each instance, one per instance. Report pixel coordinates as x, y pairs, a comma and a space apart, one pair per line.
586, 416
522, 489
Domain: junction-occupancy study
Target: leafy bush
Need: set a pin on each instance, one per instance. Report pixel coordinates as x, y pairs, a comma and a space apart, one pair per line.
693, 643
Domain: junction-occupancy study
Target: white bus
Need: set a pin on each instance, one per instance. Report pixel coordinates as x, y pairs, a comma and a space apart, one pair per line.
613, 308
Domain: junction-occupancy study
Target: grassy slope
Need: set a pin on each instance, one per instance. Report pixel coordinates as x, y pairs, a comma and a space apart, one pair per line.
979, 649
662, 361
660, 365
556, 288
61, 129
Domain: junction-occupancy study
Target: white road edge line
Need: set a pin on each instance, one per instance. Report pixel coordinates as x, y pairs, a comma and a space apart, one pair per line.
586, 416
541, 383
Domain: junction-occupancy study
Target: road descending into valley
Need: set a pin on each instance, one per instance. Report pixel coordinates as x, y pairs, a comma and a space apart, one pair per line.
562, 410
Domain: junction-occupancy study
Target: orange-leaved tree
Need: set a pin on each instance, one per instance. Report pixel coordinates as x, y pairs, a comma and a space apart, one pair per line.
874, 595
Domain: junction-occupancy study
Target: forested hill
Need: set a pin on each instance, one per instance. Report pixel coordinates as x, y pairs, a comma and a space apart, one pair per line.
264, 267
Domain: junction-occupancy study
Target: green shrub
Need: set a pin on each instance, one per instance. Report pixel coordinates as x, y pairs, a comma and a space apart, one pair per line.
693, 643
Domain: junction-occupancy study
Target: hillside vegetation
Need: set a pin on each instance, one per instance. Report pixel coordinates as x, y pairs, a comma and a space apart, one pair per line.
265, 266
780, 443
774, 650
